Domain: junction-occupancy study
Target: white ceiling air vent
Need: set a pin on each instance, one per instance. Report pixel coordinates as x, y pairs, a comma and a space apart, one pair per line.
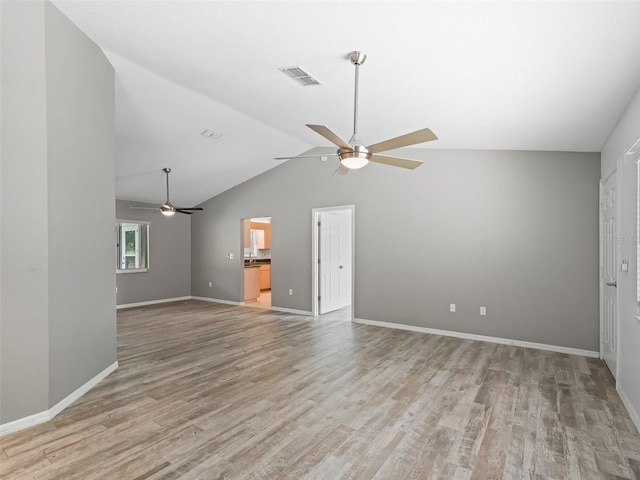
211, 134
300, 75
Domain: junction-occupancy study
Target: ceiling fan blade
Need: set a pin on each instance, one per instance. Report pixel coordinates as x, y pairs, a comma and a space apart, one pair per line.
317, 155
419, 136
192, 208
183, 211
395, 161
342, 170
327, 133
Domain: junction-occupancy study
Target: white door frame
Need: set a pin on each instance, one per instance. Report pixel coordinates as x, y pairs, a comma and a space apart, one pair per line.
615, 171
315, 215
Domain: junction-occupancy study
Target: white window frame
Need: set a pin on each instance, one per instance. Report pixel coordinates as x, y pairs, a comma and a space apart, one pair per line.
141, 247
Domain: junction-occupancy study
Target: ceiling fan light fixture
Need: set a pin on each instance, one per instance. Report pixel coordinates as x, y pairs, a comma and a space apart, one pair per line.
167, 210
353, 163
354, 158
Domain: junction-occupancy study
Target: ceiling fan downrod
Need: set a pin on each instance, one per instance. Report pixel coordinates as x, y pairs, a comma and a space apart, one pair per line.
167, 171
167, 209
357, 59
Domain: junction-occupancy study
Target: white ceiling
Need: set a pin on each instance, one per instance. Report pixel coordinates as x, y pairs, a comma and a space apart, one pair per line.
482, 75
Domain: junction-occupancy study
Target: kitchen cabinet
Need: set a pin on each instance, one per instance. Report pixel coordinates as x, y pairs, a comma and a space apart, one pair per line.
246, 223
266, 228
267, 235
257, 240
251, 283
265, 277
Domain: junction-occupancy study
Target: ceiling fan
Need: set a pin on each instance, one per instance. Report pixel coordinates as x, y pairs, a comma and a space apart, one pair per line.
167, 208
354, 154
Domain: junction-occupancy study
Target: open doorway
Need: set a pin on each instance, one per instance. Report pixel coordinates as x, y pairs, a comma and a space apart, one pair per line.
256, 243
333, 260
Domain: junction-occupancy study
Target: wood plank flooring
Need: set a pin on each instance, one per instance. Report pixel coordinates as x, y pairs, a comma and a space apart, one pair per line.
209, 391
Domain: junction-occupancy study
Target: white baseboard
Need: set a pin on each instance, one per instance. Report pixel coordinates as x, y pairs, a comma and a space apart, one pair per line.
244, 304
633, 413
47, 415
73, 396
213, 300
217, 300
292, 310
482, 338
153, 302
25, 422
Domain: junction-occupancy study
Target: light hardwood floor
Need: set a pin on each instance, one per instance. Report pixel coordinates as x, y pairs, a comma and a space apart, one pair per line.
207, 391
263, 301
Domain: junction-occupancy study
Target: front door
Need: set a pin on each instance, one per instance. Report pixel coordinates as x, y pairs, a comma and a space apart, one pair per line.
608, 273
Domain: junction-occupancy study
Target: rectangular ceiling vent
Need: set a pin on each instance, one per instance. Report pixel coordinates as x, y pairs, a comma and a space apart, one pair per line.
211, 134
299, 75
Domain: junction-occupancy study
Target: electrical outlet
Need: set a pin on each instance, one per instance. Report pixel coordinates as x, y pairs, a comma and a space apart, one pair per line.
483, 311
291, 291
210, 284
452, 307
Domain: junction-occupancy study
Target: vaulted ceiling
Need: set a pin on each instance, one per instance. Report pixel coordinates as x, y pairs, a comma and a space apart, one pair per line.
482, 75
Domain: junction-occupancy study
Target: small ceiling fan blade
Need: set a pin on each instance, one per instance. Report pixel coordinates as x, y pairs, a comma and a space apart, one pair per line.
419, 136
327, 133
317, 155
192, 208
342, 170
395, 161
183, 211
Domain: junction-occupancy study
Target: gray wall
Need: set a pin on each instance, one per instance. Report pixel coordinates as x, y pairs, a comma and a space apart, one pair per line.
626, 133
516, 232
58, 280
80, 133
24, 327
169, 274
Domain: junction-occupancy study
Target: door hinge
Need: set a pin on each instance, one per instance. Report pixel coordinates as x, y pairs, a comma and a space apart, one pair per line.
319, 223
318, 260
318, 297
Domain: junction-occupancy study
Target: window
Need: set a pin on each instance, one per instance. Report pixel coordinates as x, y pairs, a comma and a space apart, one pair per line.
132, 246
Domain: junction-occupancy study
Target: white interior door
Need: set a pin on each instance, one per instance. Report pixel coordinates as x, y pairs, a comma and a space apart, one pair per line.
608, 274
334, 279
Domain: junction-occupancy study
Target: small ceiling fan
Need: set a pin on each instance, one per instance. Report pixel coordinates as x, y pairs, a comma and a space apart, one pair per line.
354, 154
167, 208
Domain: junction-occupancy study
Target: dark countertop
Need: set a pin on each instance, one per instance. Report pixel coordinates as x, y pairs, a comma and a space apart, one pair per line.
257, 261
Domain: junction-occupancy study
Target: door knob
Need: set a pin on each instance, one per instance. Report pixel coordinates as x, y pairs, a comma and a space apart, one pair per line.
340, 267
611, 284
